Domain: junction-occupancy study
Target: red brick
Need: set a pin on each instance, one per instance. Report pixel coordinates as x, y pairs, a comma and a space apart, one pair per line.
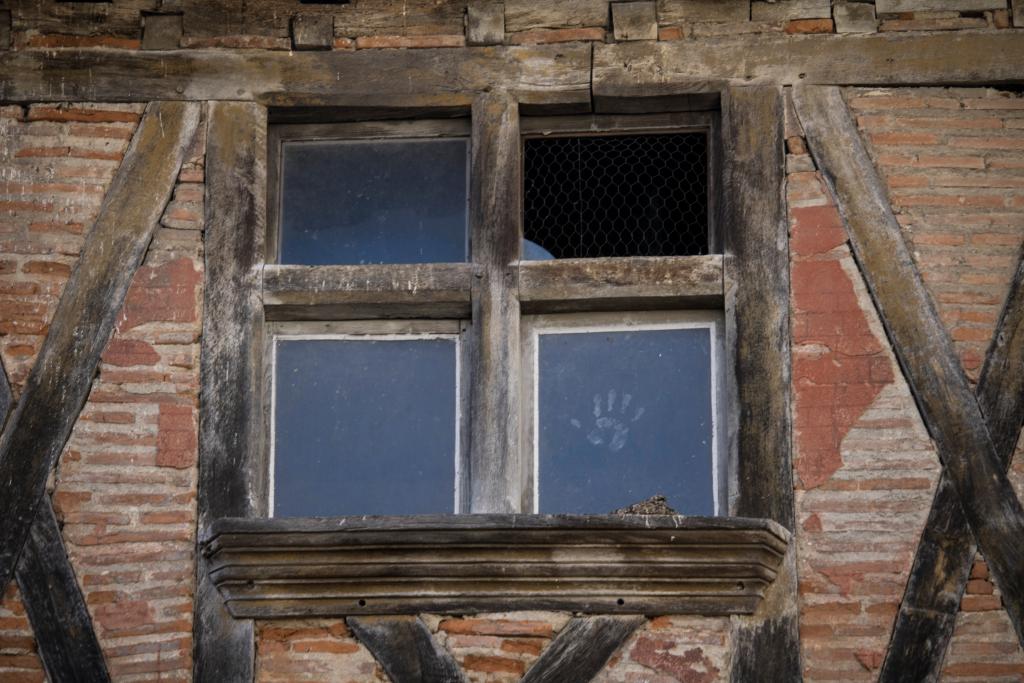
493, 664
165, 293
810, 26
561, 35
367, 42
61, 40
497, 627
47, 113
670, 33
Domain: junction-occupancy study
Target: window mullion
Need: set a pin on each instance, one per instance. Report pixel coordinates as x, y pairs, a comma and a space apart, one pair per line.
496, 479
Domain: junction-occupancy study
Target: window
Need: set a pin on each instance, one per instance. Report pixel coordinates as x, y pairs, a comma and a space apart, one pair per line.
619, 335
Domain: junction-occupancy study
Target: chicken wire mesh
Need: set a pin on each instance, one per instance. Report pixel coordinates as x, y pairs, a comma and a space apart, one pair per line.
621, 195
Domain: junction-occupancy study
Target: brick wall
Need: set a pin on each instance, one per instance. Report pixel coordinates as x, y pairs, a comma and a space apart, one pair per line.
953, 161
865, 468
498, 648
125, 486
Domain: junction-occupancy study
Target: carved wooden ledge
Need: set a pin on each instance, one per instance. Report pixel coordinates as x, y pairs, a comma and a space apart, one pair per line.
270, 568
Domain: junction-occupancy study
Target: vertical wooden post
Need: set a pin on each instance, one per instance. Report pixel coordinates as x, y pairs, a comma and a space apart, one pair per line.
232, 472
756, 271
496, 478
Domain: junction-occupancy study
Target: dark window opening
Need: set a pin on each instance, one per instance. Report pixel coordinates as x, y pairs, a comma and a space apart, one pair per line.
616, 195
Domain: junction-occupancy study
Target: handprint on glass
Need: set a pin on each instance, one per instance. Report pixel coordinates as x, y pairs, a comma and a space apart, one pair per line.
611, 422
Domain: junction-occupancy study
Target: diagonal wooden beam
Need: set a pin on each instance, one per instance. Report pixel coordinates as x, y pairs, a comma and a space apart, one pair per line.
581, 649
942, 563
53, 600
62, 376
944, 397
406, 649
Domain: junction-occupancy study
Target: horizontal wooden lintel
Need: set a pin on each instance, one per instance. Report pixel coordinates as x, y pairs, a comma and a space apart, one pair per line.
436, 290
662, 282
677, 75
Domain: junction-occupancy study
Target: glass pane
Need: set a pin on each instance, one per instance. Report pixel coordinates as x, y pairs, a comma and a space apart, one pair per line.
623, 416
364, 427
374, 201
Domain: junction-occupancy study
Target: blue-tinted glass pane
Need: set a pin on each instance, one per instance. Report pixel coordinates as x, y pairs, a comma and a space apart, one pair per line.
624, 416
374, 201
364, 427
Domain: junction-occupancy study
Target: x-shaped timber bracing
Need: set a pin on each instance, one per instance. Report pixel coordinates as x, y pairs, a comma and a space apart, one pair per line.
975, 501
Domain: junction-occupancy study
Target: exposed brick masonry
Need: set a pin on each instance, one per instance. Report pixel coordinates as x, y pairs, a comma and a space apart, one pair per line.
953, 161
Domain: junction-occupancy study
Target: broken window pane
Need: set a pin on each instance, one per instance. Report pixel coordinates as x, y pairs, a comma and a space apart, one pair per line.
364, 426
374, 201
623, 416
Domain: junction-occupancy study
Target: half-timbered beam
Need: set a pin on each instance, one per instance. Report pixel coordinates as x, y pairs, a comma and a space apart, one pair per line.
620, 284
55, 606
232, 471
495, 212
542, 76
756, 274
406, 650
942, 563
682, 73
429, 290
53, 600
59, 382
581, 649
943, 394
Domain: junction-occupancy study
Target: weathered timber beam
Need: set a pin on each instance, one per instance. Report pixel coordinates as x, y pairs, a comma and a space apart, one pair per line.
495, 212
55, 606
942, 563
406, 649
232, 472
756, 281
679, 71
581, 649
944, 397
6, 395
545, 75
437, 290
53, 601
60, 380
620, 284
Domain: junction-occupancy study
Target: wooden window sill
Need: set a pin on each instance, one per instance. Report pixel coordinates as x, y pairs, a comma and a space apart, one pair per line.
272, 568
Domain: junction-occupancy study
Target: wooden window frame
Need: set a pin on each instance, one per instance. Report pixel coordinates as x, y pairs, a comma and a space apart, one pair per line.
403, 297
622, 321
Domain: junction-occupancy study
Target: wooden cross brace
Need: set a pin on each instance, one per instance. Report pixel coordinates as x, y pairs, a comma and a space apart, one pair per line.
57, 387
408, 652
974, 501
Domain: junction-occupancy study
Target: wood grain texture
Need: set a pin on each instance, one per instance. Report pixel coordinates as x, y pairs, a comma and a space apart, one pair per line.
481, 563
766, 651
945, 554
921, 342
61, 623
756, 274
6, 395
756, 266
60, 620
541, 75
121, 19
232, 471
495, 214
581, 649
680, 69
59, 382
406, 650
659, 282
436, 290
